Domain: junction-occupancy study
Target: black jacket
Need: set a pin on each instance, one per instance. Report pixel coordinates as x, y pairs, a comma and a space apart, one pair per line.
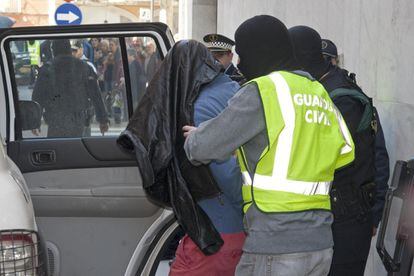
155, 134
352, 183
235, 74
382, 172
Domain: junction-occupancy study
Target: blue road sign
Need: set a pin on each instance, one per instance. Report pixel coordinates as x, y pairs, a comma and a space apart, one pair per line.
68, 14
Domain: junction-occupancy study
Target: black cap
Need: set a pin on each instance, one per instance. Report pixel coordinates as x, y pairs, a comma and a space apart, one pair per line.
218, 43
329, 48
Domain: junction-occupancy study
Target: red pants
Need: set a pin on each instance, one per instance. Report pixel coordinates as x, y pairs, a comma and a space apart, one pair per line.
190, 261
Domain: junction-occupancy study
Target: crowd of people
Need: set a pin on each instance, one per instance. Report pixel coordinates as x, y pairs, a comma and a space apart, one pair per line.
105, 54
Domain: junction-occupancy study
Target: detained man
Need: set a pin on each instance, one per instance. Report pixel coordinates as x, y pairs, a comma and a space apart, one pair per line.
287, 154
224, 210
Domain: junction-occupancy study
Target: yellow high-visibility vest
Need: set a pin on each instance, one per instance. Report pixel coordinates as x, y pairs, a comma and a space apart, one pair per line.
307, 141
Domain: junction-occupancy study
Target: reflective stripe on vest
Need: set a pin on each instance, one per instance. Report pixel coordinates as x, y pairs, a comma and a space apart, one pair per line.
291, 186
273, 188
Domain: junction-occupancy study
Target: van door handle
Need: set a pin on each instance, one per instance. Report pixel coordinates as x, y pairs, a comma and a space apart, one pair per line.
43, 157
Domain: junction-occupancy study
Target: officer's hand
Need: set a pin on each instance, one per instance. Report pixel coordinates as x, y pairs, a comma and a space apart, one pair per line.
103, 127
374, 231
187, 130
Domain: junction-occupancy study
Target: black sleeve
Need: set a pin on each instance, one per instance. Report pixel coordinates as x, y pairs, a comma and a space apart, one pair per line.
382, 172
351, 110
95, 95
42, 88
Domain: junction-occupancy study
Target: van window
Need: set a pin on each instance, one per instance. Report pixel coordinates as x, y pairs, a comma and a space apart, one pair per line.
79, 84
144, 60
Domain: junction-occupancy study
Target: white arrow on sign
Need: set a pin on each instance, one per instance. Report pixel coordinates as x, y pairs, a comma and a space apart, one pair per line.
69, 17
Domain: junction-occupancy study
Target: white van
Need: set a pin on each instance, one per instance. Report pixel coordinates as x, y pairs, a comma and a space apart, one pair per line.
87, 194
20, 248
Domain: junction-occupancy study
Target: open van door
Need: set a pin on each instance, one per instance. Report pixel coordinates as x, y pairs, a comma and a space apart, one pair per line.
395, 244
87, 194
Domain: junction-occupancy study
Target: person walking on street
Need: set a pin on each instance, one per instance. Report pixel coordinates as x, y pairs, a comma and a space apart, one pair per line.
65, 90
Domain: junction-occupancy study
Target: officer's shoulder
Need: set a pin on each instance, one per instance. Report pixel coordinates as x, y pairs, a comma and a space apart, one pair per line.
229, 81
221, 82
347, 98
84, 65
249, 87
304, 74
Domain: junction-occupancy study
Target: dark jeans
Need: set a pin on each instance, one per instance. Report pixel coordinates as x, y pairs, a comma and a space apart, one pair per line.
352, 241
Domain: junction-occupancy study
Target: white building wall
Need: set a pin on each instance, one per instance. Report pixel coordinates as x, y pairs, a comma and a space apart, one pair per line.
377, 40
204, 18
98, 14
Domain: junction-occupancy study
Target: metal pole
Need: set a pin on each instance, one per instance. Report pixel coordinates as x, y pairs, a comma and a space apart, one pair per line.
152, 10
19, 6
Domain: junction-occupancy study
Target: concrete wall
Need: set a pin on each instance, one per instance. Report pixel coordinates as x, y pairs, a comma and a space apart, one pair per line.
204, 18
377, 40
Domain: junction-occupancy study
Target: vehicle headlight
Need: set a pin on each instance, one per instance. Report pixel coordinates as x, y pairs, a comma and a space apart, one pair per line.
19, 253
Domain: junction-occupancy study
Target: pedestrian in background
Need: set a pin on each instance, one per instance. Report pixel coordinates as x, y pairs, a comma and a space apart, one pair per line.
65, 90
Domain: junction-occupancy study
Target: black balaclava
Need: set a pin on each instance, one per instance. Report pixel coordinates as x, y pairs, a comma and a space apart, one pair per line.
308, 50
263, 45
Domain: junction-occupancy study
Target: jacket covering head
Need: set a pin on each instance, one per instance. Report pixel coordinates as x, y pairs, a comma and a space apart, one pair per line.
155, 134
308, 50
263, 45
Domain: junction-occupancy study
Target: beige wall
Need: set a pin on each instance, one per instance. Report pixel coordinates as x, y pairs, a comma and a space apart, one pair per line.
377, 40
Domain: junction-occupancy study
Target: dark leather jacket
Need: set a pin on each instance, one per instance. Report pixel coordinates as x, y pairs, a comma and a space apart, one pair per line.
155, 134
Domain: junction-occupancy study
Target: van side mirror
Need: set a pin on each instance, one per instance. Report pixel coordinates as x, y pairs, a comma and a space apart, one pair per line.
30, 115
